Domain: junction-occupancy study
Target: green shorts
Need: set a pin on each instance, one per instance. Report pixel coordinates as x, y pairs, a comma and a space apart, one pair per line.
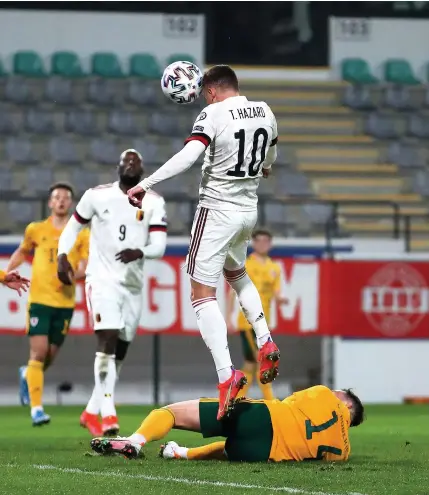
248, 431
250, 348
49, 321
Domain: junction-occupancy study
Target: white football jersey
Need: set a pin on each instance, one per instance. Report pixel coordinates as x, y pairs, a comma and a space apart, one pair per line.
237, 133
115, 226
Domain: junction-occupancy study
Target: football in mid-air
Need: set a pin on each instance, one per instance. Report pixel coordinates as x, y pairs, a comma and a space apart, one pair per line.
182, 82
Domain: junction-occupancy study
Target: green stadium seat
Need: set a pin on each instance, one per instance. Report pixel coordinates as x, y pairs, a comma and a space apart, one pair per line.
28, 63
3, 71
106, 64
399, 71
357, 71
66, 64
144, 65
180, 56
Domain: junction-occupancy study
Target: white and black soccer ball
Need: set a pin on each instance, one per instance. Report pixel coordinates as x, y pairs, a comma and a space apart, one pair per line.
182, 82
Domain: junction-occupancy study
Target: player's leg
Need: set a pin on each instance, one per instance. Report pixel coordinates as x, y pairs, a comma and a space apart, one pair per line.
39, 321
104, 303
212, 451
211, 236
250, 301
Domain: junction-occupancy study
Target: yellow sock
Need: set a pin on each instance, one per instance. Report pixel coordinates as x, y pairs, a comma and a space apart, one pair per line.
156, 425
243, 392
211, 451
35, 379
267, 391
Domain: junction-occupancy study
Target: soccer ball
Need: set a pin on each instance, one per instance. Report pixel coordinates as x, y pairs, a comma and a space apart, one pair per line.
182, 82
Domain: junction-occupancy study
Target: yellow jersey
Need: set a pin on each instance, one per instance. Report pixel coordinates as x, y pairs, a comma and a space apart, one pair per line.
265, 274
42, 238
311, 424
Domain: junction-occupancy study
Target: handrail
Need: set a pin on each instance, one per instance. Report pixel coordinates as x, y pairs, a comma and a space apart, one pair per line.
408, 219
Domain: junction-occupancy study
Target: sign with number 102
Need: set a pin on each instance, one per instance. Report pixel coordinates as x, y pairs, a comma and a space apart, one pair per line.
184, 26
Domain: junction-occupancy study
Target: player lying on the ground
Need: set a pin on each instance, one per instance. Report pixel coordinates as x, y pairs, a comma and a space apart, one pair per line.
14, 281
311, 424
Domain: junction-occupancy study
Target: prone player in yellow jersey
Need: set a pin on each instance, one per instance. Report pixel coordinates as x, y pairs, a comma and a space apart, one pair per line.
311, 424
265, 274
50, 303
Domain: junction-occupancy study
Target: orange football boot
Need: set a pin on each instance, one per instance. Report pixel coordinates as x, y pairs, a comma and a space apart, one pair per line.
268, 359
110, 426
91, 423
228, 391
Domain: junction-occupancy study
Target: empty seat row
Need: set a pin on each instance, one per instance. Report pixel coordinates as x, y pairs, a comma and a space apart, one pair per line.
399, 98
87, 123
104, 64
395, 71
102, 92
384, 127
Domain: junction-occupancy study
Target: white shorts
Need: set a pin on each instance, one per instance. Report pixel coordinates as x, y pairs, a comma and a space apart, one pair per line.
113, 307
219, 239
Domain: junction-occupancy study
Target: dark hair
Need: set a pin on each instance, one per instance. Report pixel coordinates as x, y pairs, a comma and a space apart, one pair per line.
61, 185
357, 412
264, 232
221, 75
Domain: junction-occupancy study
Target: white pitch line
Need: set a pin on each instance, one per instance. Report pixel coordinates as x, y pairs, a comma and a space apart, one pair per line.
183, 481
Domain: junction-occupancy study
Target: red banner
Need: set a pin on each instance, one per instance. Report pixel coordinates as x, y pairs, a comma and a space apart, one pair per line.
364, 299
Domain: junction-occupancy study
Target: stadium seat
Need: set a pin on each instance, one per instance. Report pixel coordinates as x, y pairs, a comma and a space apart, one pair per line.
20, 150
21, 211
358, 98
7, 125
421, 183
63, 150
28, 63
102, 92
418, 126
292, 184
399, 71
357, 71
17, 91
123, 123
176, 57
144, 65
81, 121
5, 180
104, 151
39, 122
405, 156
39, 179
179, 216
163, 124
106, 65
3, 71
142, 93
59, 91
398, 98
84, 179
66, 64
381, 126
319, 214
148, 149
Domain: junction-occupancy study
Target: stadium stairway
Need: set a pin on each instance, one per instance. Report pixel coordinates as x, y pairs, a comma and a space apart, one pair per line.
329, 143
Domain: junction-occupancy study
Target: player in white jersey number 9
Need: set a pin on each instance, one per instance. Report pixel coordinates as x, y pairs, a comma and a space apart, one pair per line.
239, 139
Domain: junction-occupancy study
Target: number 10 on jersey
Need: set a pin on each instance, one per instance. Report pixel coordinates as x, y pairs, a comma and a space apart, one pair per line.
258, 145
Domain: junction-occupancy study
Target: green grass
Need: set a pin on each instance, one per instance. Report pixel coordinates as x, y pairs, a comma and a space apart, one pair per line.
390, 455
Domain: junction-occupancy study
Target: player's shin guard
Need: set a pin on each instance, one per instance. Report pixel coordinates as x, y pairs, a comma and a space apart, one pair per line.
108, 381
154, 427
214, 332
35, 380
251, 305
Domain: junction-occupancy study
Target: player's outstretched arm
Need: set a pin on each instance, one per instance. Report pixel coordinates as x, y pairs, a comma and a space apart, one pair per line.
179, 163
23, 250
14, 281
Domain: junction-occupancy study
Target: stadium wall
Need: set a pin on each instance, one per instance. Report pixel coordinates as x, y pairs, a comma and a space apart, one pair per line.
371, 39
88, 32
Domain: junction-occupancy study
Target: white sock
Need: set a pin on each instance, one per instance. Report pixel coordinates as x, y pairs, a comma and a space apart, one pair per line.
137, 438
213, 330
108, 401
118, 365
251, 304
36, 409
100, 372
183, 452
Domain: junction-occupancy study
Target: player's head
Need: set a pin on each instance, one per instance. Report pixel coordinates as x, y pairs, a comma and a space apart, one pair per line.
61, 197
262, 241
219, 82
130, 168
352, 401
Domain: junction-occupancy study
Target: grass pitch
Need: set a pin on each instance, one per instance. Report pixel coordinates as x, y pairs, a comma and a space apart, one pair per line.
390, 455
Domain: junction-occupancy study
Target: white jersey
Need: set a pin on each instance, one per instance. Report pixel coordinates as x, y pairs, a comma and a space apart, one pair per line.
237, 133
115, 226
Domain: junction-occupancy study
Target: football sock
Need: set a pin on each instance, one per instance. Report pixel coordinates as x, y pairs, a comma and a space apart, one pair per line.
213, 330
118, 364
211, 451
267, 391
154, 427
100, 372
35, 380
251, 305
108, 390
244, 391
